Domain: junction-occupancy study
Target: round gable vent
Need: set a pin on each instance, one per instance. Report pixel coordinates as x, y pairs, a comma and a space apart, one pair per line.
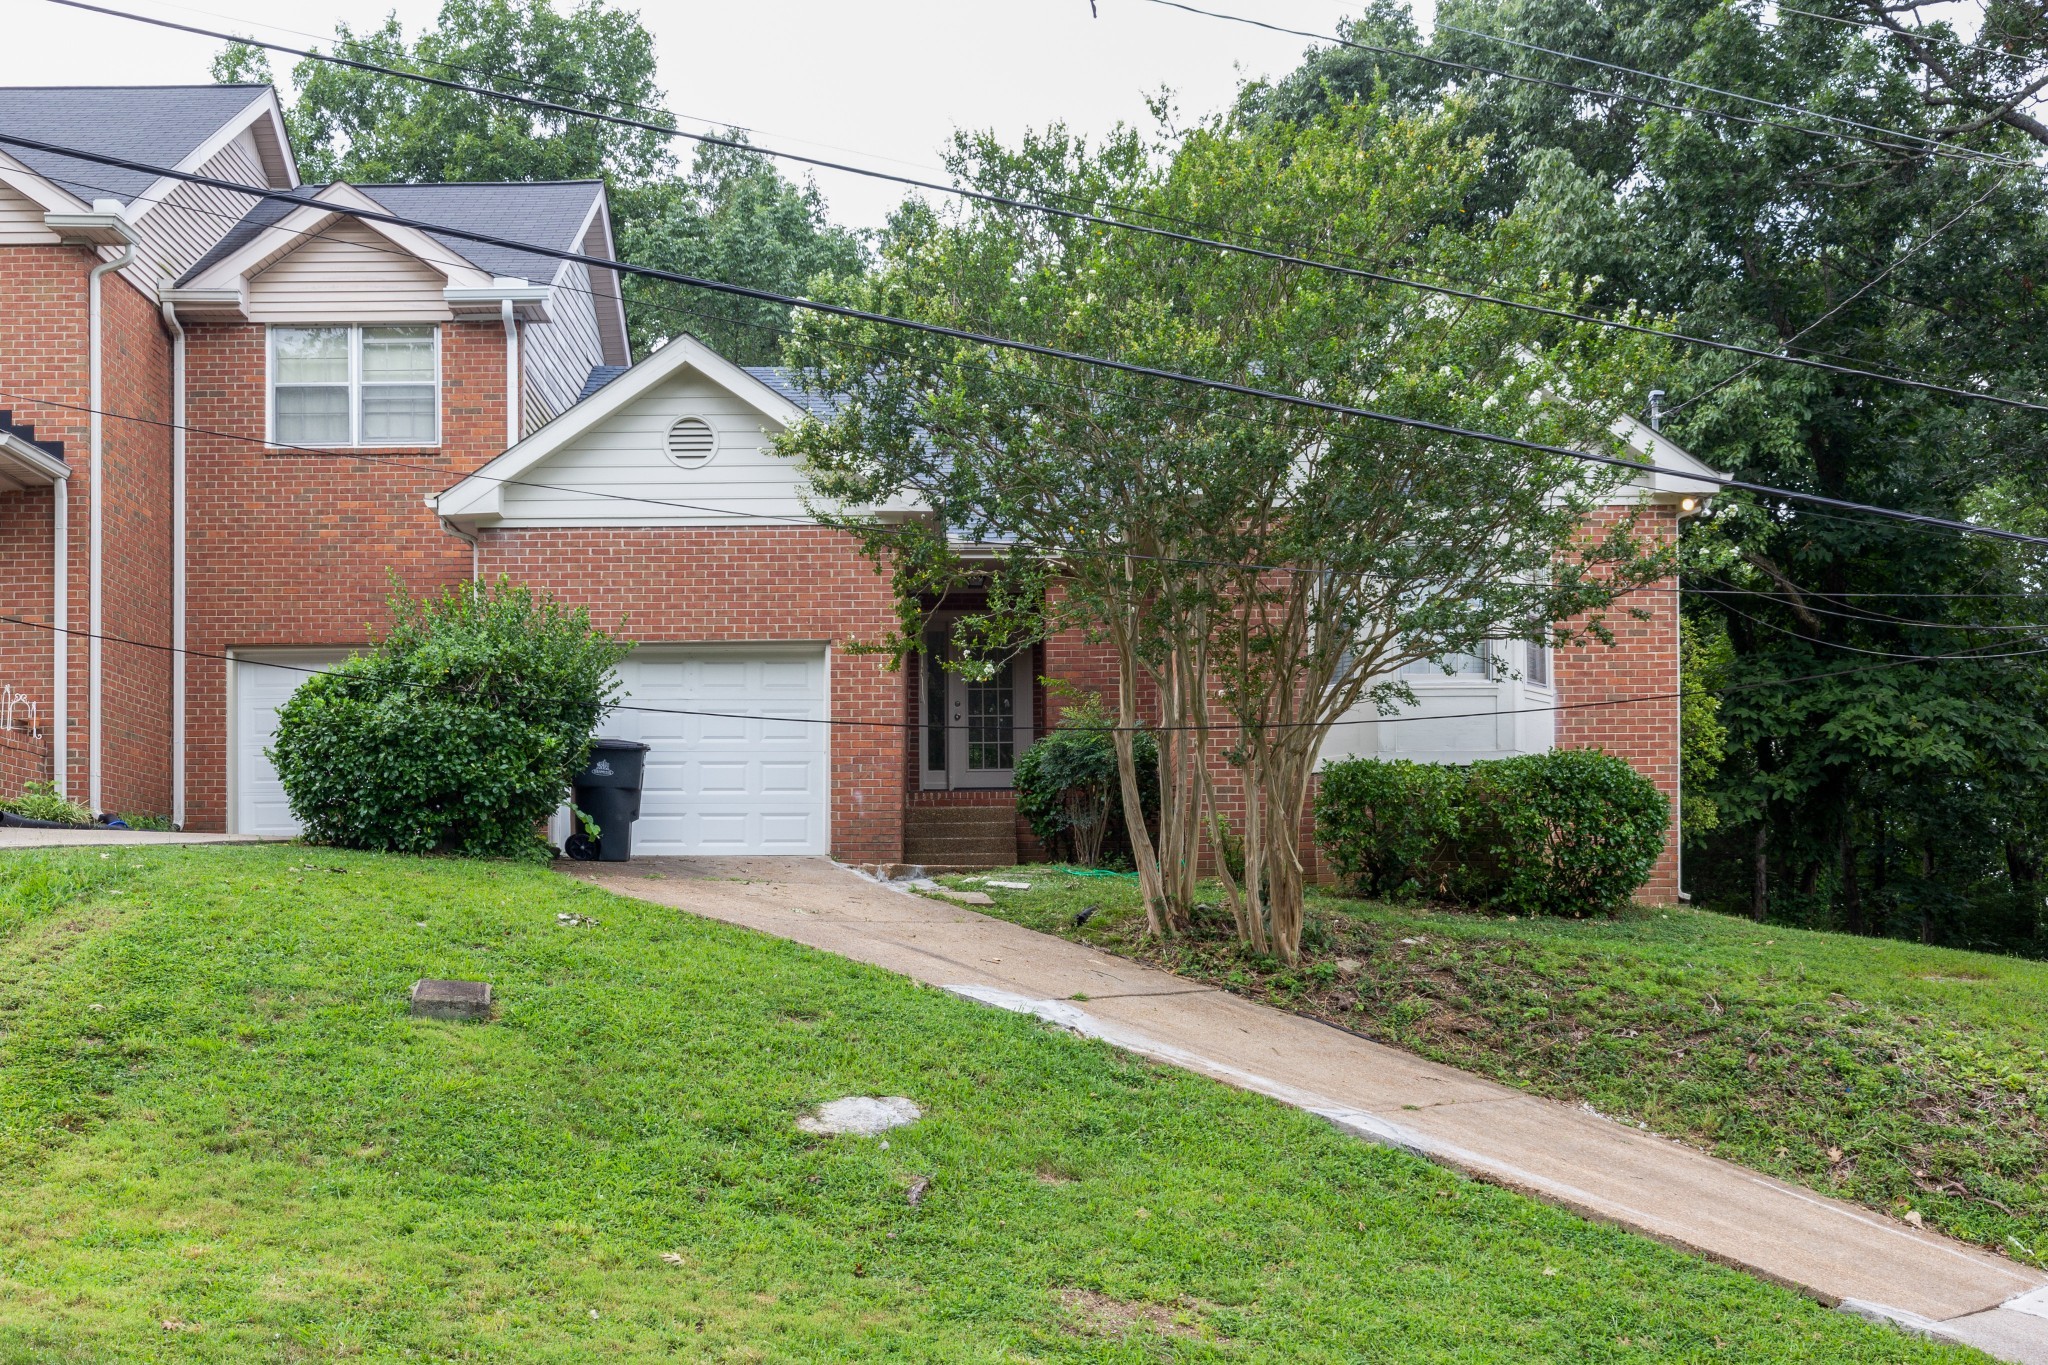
692, 442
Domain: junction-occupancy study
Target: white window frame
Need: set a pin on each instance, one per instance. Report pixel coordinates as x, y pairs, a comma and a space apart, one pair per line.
355, 386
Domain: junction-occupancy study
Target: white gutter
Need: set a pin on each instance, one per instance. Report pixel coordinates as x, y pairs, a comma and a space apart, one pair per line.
106, 225
177, 564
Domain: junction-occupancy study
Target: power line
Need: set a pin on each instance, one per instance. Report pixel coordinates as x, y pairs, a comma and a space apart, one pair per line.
1078, 215
901, 725
1022, 347
1934, 149
1921, 34
1716, 90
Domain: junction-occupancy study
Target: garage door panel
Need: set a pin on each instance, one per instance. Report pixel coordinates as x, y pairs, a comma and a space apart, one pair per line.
262, 687
750, 781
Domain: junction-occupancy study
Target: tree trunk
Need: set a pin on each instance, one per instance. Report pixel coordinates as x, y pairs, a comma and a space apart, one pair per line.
1852, 889
1759, 890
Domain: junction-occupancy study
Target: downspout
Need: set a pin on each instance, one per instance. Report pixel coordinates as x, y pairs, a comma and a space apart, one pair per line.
60, 637
96, 484
177, 564
512, 397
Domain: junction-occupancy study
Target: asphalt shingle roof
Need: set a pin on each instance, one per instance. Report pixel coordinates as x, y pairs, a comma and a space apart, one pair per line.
783, 379
547, 213
157, 124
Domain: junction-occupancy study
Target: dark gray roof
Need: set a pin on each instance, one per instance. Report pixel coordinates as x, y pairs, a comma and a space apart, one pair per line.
787, 381
27, 432
600, 375
157, 124
546, 213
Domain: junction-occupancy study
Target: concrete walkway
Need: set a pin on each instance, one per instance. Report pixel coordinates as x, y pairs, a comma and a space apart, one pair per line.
1842, 1254
109, 838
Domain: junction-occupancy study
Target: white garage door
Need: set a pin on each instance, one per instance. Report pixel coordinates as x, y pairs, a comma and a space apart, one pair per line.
751, 776
262, 685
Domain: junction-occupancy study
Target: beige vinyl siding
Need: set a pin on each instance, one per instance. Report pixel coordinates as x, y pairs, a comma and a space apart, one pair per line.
626, 455
186, 223
556, 356
348, 273
21, 220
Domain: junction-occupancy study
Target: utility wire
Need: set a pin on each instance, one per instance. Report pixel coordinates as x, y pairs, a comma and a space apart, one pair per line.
841, 723
1073, 214
1934, 148
1716, 90
1022, 347
1924, 35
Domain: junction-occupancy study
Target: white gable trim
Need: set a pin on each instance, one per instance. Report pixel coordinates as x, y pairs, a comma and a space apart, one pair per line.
52, 197
1669, 481
610, 303
263, 110
292, 231
479, 497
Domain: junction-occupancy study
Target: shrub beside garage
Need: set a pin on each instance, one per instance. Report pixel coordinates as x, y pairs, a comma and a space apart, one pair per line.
459, 733
1564, 832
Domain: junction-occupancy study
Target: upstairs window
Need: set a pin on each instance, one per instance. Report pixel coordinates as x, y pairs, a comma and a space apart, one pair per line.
355, 386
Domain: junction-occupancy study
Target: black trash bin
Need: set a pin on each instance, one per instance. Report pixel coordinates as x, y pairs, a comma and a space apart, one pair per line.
608, 791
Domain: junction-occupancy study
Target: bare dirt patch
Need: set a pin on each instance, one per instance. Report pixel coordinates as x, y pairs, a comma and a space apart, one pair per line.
1100, 1315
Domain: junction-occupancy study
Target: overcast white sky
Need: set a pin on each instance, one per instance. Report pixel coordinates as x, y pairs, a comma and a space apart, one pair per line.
884, 80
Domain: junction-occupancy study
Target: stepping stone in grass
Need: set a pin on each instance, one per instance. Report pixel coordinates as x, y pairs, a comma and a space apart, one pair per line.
861, 1115
451, 1000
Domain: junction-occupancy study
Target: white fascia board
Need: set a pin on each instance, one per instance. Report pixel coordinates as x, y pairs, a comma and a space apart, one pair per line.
53, 198
478, 495
263, 108
203, 302
105, 224
529, 301
292, 230
29, 465
1674, 463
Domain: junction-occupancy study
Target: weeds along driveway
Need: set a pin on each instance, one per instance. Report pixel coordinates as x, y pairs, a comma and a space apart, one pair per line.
1837, 1252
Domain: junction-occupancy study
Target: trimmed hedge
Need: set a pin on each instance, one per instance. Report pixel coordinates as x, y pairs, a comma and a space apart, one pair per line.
459, 734
1564, 832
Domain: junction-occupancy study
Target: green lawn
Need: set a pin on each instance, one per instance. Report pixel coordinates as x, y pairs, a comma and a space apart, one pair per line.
221, 1138
1913, 1079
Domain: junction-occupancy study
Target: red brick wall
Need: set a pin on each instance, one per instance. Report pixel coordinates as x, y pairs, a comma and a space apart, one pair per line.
44, 381
22, 760
1642, 662
287, 548
707, 585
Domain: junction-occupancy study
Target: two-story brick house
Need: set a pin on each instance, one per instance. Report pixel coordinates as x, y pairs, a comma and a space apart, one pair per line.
230, 421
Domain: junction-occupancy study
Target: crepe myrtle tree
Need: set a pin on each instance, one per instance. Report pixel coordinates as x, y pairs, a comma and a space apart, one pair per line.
1258, 569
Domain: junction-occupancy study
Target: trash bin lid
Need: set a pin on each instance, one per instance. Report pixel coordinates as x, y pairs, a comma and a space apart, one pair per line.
618, 746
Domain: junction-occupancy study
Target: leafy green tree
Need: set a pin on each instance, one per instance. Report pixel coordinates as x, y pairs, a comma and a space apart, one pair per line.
732, 218
1258, 570
1888, 795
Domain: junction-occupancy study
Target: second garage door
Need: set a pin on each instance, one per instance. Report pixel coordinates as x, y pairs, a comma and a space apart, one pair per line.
739, 759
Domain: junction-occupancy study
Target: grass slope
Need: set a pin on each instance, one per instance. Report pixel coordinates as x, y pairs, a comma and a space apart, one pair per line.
221, 1139
1913, 1079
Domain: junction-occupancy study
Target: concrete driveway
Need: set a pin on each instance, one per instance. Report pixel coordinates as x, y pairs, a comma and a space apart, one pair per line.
1842, 1254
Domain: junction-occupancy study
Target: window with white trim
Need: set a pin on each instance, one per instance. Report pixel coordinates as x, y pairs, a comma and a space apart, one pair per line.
1456, 665
356, 386
1537, 674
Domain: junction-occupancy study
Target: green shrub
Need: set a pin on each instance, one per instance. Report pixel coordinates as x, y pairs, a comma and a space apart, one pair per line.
1067, 787
1389, 828
1565, 832
458, 734
40, 801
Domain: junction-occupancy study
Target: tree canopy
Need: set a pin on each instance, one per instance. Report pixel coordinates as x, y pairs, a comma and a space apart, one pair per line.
730, 216
1889, 795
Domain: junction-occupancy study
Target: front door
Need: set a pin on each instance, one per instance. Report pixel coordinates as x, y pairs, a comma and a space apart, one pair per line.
973, 728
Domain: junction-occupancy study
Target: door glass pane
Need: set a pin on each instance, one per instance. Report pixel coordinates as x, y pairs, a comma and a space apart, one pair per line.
992, 723
316, 415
